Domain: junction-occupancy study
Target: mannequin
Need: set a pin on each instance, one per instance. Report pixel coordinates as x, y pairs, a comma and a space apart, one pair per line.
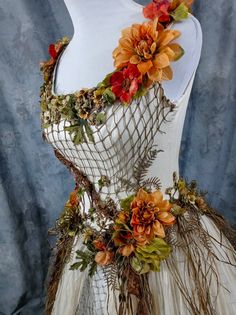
83, 64
88, 59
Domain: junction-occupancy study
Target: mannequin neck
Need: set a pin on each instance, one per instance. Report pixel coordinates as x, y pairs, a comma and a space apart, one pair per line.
80, 10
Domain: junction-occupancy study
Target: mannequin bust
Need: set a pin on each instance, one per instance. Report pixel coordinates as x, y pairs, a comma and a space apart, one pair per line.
90, 52
88, 59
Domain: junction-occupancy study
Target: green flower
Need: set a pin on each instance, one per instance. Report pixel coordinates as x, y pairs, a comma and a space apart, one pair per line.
148, 258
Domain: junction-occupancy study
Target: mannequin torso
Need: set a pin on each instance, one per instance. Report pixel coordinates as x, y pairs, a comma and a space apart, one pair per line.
88, 58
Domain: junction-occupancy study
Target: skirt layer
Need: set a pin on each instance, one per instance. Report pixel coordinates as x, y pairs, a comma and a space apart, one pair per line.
78, 294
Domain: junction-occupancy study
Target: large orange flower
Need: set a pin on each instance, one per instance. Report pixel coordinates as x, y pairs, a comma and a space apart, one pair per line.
149, 213
150, 47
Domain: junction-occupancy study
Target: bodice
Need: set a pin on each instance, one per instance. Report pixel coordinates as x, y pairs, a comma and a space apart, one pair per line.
132, 136
149, 130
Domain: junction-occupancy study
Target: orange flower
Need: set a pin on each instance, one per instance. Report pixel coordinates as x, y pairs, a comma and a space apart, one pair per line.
73, 200
104, 258
126, 250
149, 213
150, 47
122, 236
99, 244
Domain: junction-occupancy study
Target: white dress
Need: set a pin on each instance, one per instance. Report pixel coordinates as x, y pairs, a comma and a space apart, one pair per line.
77, 292
119, 145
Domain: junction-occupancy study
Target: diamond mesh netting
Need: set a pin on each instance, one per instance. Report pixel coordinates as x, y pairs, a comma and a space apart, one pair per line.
119, 147
119, 144
93, 297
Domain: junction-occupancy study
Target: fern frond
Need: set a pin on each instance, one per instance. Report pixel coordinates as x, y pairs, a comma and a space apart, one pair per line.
152, 182
143, 164
111, 275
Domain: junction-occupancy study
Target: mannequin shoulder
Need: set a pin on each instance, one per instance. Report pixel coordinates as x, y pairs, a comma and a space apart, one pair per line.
184, 69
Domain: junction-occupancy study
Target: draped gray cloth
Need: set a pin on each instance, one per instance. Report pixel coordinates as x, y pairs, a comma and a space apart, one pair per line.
34, 185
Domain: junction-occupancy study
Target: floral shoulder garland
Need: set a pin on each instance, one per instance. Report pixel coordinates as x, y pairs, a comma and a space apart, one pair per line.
142, 58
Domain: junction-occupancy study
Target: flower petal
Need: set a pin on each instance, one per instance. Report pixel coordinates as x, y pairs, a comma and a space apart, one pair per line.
126, 250
166, 218
158, 229
133, 87
155, 74
178, 51
145, 66
161, 61
104, 258
168, 36
143, 195
135, 59
167, 73
157, 196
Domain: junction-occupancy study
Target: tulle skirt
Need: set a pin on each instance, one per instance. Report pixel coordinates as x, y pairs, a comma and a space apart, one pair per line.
190, 281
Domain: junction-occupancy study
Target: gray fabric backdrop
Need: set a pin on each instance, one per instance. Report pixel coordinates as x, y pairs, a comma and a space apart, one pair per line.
34, 185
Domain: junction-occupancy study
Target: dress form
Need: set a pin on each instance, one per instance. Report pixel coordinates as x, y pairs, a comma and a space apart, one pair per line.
90, 53
88, 58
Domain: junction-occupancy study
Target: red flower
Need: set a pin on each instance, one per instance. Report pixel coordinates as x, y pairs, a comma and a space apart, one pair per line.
158, 8
125, 83
54, 50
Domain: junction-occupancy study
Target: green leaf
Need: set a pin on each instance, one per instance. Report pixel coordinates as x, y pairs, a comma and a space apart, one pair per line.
158, 247
125, 203
139, 266
44, 106
152, 254
91, 211
92, 268
71, 233
109, 96
106, 81
85, 259
79, 136
68, 113
71, 128
80, 192
180, 13
155, 266
89, 132
75, 266
45, 126
101, 118
141, 92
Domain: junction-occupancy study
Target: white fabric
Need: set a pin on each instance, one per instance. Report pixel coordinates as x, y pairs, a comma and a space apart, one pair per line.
86, 60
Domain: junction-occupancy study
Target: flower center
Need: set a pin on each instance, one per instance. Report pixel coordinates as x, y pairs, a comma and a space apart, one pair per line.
126, 84
143, 49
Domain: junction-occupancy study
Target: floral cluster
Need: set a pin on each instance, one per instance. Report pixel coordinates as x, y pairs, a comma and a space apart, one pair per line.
149, 49
142, 58
167, 10
137, 233
188, 196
